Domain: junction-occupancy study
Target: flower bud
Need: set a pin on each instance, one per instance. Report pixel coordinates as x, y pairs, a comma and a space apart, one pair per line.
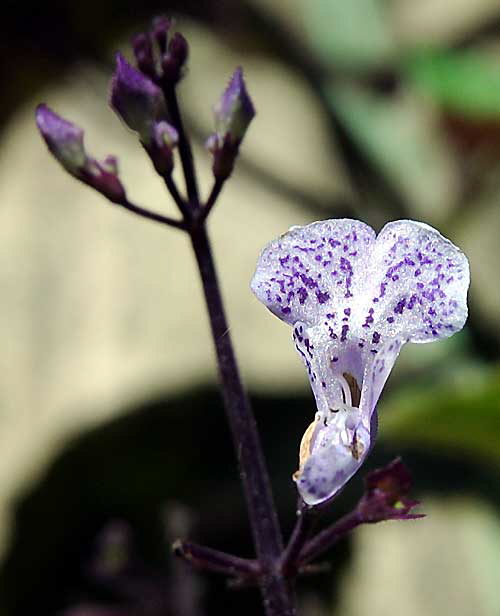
161, 26
234, 111
233, 114
64, 139
143, 52
175, 59
385, 497
162, 147
135, 98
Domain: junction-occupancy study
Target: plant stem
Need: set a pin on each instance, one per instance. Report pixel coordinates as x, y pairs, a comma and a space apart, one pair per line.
276, 592
144, 213
184, 147
290, 557
212, 198
324, 540
215, 561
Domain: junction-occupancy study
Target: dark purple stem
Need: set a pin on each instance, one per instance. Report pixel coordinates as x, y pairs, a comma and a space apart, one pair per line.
144, 213
212, 198
216, 561
184, 146
324, 540
303, 527
277, 595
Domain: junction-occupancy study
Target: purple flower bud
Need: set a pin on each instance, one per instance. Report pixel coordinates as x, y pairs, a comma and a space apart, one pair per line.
161, 26
103, 178
135, 98
161, 148
234, 111
64, 139
233, 114
143, 52
386, 493
165, 135
174, 60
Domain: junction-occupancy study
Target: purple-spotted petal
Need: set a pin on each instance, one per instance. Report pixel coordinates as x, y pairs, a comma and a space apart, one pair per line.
315, 273
416, 287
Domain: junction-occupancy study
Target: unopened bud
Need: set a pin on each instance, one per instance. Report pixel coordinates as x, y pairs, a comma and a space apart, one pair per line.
135, 98
234, 111
144, 55
64, 139
233, 114
161, 26
161, 150
175, 59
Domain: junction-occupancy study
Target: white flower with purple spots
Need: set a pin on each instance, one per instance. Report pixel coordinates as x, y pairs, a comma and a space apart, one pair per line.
354, 299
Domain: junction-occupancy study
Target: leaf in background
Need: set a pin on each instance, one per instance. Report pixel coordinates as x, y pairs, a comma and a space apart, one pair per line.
401, 137
460, 416
445, 564
354, 34
465, 82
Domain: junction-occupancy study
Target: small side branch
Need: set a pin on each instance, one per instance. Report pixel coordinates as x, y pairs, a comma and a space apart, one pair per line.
216, 561
327, 538
144, 213
303, 527
212, 198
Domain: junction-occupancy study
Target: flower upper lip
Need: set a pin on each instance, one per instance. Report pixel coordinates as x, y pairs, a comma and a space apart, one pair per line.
354, 299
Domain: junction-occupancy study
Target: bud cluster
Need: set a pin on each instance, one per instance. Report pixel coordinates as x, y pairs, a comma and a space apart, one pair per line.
143, 96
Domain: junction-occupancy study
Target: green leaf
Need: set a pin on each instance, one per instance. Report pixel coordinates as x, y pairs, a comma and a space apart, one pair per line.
462, 416
466, 82
349, 33
399, 135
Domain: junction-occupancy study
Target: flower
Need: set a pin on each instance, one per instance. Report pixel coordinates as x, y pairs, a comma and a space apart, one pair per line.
65, 141
354, 299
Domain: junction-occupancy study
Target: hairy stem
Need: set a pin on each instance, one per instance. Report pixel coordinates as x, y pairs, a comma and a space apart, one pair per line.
277, 595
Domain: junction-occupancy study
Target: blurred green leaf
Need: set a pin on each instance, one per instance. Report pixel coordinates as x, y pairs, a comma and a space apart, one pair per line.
399, 135
467, 82
354, 34
459, 416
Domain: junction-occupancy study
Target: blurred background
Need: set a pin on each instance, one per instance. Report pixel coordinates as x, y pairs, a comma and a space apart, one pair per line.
113, 438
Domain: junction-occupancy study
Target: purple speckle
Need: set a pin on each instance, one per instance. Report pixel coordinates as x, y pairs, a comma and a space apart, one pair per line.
400, 306
322, 297
302, 295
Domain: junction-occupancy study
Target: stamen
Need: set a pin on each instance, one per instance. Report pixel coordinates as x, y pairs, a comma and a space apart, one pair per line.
354, 389
346, 390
